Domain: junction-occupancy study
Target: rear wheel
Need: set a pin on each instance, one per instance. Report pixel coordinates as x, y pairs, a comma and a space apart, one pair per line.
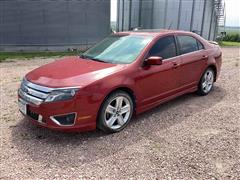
206, 82
115, 112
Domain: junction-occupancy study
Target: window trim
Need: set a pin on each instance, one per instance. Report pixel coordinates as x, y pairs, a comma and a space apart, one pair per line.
199, 42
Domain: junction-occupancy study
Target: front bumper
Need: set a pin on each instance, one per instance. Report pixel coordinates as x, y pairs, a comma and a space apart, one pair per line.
80, 110
43, 115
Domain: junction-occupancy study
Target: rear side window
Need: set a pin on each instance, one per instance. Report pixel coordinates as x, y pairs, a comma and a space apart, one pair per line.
164, 47
187, 44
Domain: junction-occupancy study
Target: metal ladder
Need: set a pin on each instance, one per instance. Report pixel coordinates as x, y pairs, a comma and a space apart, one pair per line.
219, 6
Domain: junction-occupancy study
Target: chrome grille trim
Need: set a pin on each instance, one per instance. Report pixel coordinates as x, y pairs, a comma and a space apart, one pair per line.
29, 98
38, 87
36, 94
33, 93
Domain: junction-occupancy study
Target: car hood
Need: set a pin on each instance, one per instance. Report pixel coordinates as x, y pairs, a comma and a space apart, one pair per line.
71, 72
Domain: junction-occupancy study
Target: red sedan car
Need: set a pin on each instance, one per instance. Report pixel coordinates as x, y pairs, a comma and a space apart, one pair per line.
125, 74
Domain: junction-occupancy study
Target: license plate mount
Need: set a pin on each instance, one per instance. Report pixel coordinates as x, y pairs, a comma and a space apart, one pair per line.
22, 105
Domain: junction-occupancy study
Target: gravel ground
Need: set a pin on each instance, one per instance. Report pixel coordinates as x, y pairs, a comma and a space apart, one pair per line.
190, 137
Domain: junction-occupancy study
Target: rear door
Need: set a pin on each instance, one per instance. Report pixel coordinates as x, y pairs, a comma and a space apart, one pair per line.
194, 58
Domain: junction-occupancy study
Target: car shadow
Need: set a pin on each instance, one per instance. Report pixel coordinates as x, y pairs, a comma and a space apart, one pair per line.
55, 148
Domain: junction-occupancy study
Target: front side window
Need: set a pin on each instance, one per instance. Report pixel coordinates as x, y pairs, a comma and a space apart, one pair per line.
118, 49
164, 47
187, 44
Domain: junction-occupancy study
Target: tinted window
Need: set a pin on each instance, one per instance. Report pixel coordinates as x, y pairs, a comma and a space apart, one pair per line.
187, 44
164, 47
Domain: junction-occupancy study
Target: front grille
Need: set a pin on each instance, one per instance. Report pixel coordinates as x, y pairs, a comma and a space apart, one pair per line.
33, 93
35, 116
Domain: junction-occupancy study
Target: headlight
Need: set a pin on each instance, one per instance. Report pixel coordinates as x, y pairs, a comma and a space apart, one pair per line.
61, 95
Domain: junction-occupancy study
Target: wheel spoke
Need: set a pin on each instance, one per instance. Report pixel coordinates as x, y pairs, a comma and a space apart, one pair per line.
120, 120
119, 101
204, 84
111, 121
209, 76
110, 109
209, 85
211, 79
125, 109
205, 76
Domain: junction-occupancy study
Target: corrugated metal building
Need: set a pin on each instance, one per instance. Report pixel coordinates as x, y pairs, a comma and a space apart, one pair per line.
52, 25
200, 16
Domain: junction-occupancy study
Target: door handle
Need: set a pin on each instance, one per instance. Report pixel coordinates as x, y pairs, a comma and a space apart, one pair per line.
204, 57
175, 65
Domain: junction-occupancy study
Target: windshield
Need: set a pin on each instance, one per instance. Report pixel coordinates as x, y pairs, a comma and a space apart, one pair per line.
118, 49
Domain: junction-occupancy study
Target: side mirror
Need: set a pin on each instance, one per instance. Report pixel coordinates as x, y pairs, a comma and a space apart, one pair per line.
154, 60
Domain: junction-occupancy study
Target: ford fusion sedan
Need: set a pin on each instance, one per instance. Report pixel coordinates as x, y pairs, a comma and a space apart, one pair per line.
125, 74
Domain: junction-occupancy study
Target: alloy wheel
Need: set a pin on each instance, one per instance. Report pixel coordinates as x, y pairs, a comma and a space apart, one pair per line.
117, 112
208, 80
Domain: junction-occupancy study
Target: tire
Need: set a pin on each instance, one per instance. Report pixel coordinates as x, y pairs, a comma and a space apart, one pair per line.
115, 112
206, 83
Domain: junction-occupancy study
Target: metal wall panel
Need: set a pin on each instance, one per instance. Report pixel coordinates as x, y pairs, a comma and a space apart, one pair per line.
146, 15
48, 23
198, 16
185, 15
159, 13
135, 13
172, 14
120, 15
207, 19
190, 15
126, 15
213, 28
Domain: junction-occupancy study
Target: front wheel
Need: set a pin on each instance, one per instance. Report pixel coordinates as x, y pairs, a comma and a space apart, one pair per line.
206, 82
115, 112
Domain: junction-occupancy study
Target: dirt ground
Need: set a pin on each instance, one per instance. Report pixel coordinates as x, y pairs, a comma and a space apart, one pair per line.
190, 137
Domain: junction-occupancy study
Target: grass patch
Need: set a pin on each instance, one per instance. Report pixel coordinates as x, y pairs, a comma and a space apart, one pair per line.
228, 43
30, 55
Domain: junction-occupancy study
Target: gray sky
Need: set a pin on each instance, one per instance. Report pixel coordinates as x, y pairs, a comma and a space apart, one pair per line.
232, 12
113, 10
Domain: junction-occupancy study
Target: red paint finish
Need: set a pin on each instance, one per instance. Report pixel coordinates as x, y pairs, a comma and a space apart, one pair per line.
150, 85
71, 71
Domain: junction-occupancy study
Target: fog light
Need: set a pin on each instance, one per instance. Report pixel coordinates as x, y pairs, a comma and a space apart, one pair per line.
64, 120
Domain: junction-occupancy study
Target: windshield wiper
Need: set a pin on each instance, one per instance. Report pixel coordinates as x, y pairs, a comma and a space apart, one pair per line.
99, 60
90, 58
83, 56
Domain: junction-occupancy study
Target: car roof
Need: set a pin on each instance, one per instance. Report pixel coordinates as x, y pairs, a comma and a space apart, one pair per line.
152, 32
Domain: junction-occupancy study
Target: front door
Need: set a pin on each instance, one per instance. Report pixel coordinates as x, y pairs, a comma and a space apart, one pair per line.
157, 82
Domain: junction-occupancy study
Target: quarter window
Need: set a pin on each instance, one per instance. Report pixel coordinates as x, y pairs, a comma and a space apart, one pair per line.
187, 44
164, 47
